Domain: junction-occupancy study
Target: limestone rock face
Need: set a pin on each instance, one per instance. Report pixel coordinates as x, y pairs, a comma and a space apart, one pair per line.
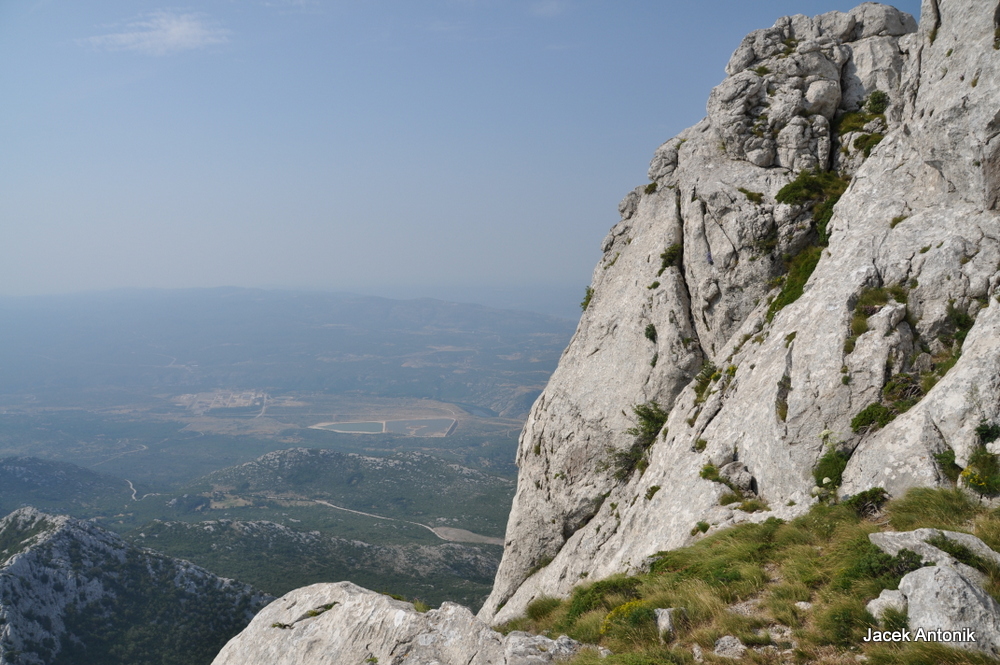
681, 315
331, 624
67, 584
947, 596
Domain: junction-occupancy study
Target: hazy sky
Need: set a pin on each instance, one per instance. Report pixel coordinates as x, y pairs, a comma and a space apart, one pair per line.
401, 147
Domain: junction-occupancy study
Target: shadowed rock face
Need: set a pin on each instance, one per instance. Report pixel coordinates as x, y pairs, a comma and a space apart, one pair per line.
919, 215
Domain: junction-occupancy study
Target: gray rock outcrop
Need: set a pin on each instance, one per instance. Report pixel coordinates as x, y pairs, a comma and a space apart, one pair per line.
331, 624
681, 310
68, 584
947, 596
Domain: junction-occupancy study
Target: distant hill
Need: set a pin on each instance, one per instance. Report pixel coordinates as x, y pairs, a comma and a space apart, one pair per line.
403, 485
59, 487
278, 559
72, 593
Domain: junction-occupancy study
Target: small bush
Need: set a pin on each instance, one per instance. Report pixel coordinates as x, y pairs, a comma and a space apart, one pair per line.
800, 269
542, 563
874, 564
867, 142
651, 417
987, 432
872, 416
753, 506
753, 197
960, 321
807, 186
587, 298
651, 188
859, 325
896, 221
946, 462
762, 71
700, 527
591, 597
670, 257
703, 380
844, 623
633, 614
895, 619
851, 122
877, 102
831, 465
963, 554
983, 473
849, 344
729, 497
651, 492
902, 391
650, 332
868, 502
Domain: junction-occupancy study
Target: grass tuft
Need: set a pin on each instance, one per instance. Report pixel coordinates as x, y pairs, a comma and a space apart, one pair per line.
800, 268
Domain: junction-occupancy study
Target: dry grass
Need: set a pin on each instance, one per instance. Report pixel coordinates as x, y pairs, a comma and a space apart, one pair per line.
746, 581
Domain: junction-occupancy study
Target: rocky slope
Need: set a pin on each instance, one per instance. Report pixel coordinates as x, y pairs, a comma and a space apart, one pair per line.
73, 593
698, 303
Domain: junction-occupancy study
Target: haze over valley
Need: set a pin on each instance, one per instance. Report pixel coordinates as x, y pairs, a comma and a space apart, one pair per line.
280, 438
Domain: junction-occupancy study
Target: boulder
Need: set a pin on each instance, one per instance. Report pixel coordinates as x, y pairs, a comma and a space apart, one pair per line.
940, 598
331, 624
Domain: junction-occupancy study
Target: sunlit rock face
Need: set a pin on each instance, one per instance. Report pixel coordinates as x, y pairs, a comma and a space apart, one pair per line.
691, 306
331, 624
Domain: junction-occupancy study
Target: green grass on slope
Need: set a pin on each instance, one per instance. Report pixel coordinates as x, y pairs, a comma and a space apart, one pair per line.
823, 557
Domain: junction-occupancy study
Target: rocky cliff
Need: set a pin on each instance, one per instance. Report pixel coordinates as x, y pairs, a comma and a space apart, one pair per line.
73, 593
771, 322
798, 305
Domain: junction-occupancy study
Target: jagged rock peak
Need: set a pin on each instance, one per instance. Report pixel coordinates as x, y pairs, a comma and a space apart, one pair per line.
851, 314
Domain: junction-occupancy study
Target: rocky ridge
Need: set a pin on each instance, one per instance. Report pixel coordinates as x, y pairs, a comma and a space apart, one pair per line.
694, 296
71, 592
